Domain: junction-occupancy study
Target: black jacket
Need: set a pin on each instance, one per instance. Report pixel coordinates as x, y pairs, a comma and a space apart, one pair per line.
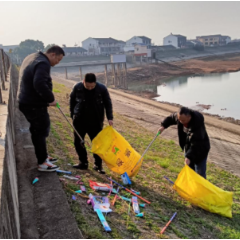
196, 142
36, 82
102, 101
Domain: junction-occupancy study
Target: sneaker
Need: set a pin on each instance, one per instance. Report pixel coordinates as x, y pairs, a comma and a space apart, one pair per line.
52, 160
81, 166
47, 167
99, 169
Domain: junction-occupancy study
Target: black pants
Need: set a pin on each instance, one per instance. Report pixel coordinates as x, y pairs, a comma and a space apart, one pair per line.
39, 127
83, 128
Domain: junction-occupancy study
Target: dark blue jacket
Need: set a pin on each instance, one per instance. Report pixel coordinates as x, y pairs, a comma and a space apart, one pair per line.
36, 82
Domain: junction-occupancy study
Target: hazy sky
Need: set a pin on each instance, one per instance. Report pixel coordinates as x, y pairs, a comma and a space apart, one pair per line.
72, 22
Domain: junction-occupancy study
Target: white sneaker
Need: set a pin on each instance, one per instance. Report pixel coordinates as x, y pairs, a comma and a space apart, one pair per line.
47, 166
52, 160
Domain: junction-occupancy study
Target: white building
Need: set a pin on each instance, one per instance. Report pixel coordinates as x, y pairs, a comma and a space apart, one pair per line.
104, 46
135, 40
175, 40
141, 49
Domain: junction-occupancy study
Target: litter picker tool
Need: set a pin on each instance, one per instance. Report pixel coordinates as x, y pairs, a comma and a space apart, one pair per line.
174, 215
146, 150
82, 141
129, 191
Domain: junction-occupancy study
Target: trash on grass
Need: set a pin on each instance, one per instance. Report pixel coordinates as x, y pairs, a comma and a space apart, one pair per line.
101, 203
125, 178
135, 205
62, 171
103, 221
140, 214
73, 197
69, 177
35, 180
100, 186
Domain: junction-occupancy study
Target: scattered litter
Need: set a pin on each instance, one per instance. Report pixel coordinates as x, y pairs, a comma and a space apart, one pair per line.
69, 164
126, 199
142, 205
103, 221
100, 186
78, 191
138, 193
169, 180
61, 179
135, 205
140, 215
174, 215
125, 178
62, 171
83, 188
35, 180
114, 200
73, 197
130, 191
101, 203
69, 177
79, 182
78, 176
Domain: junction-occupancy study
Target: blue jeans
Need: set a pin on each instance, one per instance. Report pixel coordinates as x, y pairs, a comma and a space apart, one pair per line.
200, 167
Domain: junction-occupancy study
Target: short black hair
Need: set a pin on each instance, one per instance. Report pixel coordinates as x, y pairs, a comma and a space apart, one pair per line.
90, 78
56, 49
185, 111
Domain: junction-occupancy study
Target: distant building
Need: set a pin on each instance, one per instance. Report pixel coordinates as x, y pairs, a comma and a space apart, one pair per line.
214, 40
103, 46
175, 40
8, 48
135, 40
162, 48
237, 41
192, 43
141, 49
74, 51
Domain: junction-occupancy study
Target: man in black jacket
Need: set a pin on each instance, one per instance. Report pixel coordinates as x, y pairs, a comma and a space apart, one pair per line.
87, 103
35, 96
193, 137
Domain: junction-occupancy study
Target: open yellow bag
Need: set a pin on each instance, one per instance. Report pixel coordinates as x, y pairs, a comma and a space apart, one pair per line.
116, 152
197, 190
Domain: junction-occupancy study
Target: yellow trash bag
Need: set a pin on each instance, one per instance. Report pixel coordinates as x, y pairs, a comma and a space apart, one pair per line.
116, 152
198, 191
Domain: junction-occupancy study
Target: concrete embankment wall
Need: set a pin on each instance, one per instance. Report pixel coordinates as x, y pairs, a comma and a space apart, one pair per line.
9, 204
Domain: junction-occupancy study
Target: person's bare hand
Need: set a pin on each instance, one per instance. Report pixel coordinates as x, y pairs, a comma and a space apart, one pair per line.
54, 103
187, 161
161, 129
110, 122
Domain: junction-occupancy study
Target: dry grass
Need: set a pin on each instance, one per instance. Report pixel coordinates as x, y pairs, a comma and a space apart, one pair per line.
163, 159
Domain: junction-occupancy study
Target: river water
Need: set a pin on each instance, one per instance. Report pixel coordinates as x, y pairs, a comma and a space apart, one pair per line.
221, 91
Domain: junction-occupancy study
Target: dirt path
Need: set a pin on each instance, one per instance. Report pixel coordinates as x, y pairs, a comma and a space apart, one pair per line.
224, 136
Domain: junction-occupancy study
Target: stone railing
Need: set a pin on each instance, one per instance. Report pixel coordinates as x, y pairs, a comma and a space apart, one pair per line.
9, 205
